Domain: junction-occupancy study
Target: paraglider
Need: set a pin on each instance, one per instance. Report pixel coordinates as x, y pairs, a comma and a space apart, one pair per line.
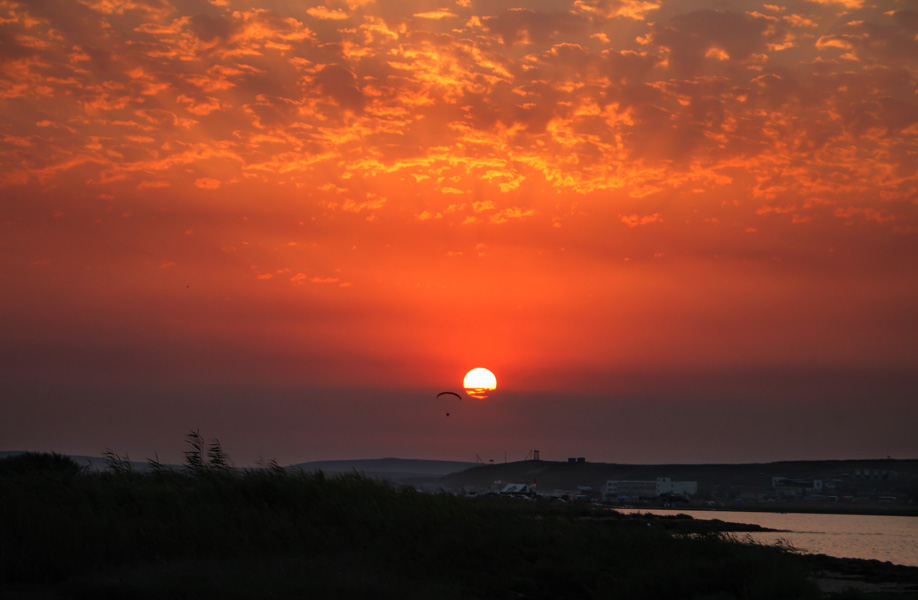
441, 394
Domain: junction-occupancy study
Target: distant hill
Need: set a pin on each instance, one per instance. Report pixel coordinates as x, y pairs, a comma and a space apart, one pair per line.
95, 463
403, 470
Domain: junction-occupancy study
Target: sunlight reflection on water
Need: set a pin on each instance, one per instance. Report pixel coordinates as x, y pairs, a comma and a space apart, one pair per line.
886, 538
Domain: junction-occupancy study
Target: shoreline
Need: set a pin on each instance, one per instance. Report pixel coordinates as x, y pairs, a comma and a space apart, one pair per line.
832, 574
796, 525
800, 509
687, 524
836, 575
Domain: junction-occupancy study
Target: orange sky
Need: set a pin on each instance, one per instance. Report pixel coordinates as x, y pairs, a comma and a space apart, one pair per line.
625, 209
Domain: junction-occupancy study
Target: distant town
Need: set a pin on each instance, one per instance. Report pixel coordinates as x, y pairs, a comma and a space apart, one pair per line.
884, 484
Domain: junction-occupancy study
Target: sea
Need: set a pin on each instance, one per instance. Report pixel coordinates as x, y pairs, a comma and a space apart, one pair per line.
884, 538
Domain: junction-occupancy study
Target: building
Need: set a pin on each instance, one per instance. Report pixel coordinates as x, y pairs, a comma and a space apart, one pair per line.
514, 489
637, 490
876, 474
632, 490
686, 489
785, 487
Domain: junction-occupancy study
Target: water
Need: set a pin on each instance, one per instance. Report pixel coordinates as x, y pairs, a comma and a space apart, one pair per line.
893, 539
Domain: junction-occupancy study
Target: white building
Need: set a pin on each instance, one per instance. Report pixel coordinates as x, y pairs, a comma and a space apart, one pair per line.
636, 490
629, 489
518, 488
787, 487
665, 485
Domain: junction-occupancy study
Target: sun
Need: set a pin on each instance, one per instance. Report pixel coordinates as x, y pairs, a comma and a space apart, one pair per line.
478, 382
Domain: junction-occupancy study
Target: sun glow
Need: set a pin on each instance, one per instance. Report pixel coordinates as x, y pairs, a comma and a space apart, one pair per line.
478, 382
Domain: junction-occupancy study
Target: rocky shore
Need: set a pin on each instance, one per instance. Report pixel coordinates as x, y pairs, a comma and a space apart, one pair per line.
682, 523
870, 579
873, 578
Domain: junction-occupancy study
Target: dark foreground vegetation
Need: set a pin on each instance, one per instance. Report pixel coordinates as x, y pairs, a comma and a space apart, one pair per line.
212, 532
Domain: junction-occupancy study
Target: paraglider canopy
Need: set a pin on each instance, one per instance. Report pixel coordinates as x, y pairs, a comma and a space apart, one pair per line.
450, 400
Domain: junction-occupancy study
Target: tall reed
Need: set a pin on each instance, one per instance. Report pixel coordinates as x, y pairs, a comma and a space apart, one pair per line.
209, 531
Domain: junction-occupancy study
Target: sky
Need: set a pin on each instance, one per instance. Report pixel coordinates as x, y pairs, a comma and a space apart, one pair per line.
676, 231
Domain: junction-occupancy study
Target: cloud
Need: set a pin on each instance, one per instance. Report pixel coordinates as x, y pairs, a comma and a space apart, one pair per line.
207, 183
632, 9
11, 49
508, 214
637, 220
436, 14
691, 37
561, 98
528, 26
841, 3
891, 39
323, 12
207, 28
340, 84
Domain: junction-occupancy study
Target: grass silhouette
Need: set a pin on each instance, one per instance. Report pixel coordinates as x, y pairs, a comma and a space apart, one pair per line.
213, 532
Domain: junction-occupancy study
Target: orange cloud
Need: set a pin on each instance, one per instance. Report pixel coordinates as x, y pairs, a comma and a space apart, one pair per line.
636, 220
323, 12
389, 139
436, 14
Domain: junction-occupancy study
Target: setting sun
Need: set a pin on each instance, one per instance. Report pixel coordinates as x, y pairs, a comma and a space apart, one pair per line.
478, 382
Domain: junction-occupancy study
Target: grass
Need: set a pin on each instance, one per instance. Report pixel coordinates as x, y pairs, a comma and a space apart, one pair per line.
218, 533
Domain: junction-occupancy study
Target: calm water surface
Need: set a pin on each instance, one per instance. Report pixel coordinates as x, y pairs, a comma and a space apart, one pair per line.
893, 539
